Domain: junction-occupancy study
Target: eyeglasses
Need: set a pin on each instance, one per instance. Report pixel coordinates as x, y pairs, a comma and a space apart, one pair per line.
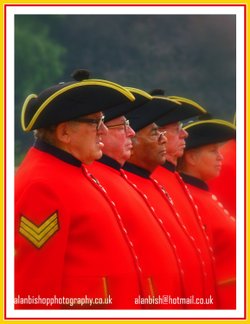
157, 136
97, 121
161, 136
125, 124
176, 129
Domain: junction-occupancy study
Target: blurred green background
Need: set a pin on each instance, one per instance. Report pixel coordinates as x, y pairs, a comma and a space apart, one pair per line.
186, 55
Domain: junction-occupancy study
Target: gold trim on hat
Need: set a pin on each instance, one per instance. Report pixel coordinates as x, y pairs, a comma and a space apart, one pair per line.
234, 120
27, 100
140, 92
188, 101
168, 99
88, 82
210, 121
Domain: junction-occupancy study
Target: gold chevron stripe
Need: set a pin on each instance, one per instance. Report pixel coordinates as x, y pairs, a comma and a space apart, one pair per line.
39, 229
38, 235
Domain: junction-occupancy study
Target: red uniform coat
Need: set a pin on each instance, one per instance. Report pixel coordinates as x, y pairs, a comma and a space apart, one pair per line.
184, 203
198, 272
161, 273
224, 186
223, 236
69, 240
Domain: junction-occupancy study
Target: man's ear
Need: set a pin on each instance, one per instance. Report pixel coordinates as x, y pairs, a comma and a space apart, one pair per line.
63, 132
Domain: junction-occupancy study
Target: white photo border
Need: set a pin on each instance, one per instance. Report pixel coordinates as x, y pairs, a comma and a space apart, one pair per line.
11, 11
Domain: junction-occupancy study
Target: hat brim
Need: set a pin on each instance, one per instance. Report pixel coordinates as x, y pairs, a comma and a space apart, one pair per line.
141, 98
186, 110
150, 112
71, 100
208, 132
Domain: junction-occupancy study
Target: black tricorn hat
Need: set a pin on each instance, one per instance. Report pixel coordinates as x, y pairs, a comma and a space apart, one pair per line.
151, 111
141, 97
186, 110
210, 131
68, 101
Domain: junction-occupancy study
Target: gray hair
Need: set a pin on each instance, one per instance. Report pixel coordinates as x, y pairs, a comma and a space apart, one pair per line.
46, 134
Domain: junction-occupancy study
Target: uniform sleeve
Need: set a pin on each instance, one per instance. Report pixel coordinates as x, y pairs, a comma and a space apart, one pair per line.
41, 231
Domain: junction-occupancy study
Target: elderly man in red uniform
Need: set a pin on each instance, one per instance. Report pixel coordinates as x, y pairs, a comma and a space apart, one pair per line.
166, 174
201, 162
161, 269
71, 247
196, 259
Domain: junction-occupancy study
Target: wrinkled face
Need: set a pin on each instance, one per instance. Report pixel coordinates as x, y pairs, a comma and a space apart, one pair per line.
176, 136
85, 138
149, 148
117, 142
206, 161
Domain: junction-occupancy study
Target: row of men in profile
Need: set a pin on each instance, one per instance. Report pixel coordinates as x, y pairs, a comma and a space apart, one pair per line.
101, 209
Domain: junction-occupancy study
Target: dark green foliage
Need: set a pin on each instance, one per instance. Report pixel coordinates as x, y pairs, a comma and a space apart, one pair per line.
190, 55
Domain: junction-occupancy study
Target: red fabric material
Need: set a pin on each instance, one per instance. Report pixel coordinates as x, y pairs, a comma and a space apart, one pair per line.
224, 186
222, 230
88, 255
160, 272
198, 280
